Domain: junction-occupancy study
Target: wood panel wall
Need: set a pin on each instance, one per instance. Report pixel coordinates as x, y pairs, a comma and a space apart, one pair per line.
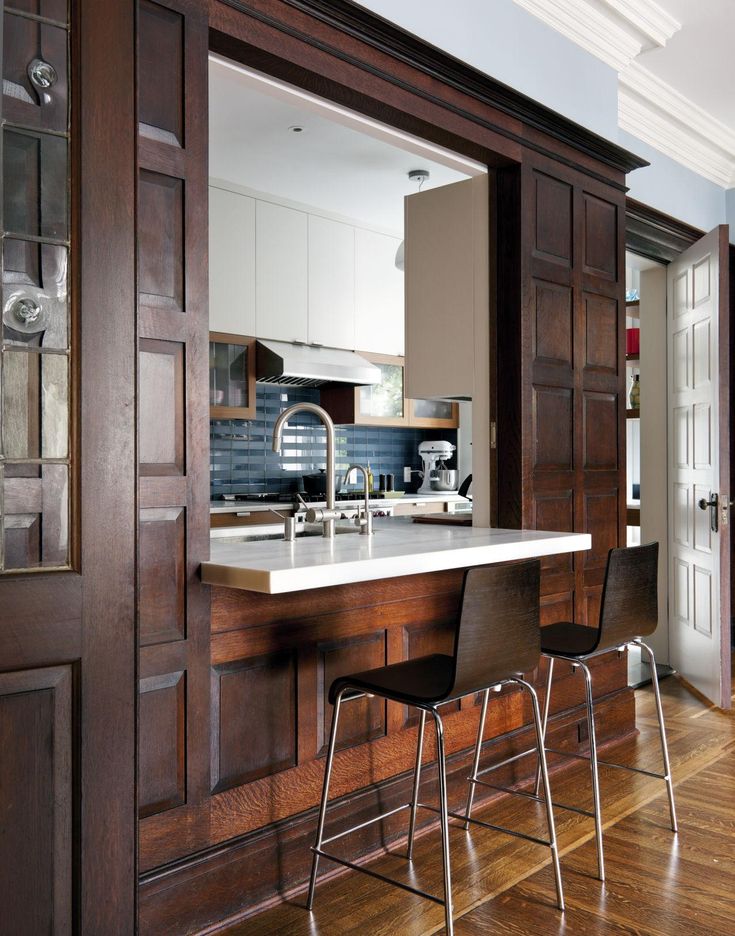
561, 377
173, 418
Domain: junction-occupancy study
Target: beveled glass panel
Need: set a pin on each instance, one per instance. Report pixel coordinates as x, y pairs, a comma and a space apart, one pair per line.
35, 405
21, 405
34, 73
49, 9
432, 409
35, 175
36, 519
35, 300
384, 399
228, 374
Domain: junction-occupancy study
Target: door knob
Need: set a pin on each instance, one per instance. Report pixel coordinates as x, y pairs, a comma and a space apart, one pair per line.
710, 505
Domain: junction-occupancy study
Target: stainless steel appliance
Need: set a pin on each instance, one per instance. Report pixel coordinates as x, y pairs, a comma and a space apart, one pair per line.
437, 478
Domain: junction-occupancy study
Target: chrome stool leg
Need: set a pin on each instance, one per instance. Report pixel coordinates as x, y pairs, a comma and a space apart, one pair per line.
544, 721
476, 761
593, 768
416, 784
547, 790
662, 733
325, 796
444, 817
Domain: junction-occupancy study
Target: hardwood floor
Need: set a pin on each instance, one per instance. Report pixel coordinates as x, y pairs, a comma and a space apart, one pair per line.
657, 883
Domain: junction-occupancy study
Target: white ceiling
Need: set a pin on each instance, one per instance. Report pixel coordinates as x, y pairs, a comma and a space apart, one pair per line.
331, 166
699, 60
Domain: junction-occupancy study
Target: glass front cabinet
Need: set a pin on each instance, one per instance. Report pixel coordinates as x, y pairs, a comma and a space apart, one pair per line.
385, 403
231, 376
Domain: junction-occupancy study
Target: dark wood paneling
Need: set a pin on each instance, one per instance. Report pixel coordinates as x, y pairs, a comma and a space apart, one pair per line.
161, 241
555, 512
161, 63
566, 432
162, 574
600, 430
553, 324
601, 334
553, 234
36, 805
162, 428
361, 719
553, 428
254, 717
23, 41
172, 327
161, 741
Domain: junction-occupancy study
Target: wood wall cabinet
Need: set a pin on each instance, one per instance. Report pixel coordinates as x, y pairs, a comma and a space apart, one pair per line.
231, 376
386, 403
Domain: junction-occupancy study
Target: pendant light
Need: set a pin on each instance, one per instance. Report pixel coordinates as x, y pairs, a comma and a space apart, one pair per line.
420, 176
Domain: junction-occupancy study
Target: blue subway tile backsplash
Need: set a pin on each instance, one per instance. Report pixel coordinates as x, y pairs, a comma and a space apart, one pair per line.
241, 460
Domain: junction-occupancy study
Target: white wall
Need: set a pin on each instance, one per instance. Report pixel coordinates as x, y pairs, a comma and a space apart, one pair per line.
511, 45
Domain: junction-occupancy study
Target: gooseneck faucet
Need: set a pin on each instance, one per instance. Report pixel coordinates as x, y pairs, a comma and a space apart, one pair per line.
326, 517
365, 523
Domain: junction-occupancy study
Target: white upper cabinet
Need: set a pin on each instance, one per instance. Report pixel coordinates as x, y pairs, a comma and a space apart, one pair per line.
281, 264
331, 283
379, 302
282, 273
231, 262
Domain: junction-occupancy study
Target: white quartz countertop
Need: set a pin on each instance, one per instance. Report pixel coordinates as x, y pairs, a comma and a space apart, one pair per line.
399, 547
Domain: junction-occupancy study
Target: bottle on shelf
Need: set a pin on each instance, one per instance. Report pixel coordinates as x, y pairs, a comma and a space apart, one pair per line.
371, 479
634, 394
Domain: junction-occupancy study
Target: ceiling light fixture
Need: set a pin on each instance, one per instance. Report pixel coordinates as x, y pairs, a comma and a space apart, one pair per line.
420, 176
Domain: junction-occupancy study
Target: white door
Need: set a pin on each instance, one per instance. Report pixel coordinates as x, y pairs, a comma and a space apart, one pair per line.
699, 535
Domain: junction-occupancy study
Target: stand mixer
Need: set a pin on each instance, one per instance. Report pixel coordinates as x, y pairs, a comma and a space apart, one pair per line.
437, 478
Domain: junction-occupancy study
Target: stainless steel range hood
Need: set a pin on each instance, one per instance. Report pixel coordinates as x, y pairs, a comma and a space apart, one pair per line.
302, 365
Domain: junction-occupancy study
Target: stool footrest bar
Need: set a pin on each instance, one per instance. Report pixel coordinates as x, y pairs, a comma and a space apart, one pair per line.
379, 876
538, 799
604, 763
362, 825
489, 825
507, 760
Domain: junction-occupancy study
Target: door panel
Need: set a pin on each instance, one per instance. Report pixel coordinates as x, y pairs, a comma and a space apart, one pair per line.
67, 502
698, 348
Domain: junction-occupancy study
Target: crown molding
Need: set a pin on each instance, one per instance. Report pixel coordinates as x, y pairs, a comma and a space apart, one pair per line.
656, 113
615, 31
589, 27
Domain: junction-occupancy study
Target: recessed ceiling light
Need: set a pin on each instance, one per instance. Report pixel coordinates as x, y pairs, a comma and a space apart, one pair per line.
297, 129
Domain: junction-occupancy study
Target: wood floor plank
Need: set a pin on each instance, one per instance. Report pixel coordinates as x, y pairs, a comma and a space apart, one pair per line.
658, 884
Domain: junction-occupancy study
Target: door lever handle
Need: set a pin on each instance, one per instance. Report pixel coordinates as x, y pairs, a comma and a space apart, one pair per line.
710, 505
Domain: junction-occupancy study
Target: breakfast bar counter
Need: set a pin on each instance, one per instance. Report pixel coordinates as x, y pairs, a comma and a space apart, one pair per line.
398, 547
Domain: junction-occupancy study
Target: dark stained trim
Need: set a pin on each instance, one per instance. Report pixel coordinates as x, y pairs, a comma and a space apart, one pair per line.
391, 40
656, 235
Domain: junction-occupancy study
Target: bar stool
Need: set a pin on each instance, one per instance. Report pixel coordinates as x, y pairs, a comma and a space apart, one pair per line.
629, 612
497, 639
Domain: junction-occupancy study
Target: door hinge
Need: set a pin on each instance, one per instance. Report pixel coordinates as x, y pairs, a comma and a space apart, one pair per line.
493, 435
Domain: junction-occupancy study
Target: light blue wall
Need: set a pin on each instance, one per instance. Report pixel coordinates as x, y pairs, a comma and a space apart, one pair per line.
505, 41
511, 45
674, 189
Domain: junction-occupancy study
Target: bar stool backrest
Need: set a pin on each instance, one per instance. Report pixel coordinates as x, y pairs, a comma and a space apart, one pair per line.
498, 633
629, 606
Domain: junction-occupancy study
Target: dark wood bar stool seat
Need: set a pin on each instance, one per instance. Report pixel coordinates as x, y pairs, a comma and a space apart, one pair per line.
628, 613
497, 639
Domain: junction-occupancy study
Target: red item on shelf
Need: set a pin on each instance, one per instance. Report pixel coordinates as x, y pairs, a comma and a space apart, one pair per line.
632, 341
